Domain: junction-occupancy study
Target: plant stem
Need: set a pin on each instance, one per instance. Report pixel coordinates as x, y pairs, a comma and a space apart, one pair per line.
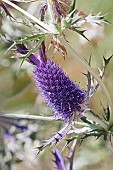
50, 11
88, 68
90, 116
72, 153
34, 117
42, 26
43, 118
25, 1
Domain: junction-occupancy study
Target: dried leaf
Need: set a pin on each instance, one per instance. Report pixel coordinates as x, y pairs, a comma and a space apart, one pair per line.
58, 46
63, 6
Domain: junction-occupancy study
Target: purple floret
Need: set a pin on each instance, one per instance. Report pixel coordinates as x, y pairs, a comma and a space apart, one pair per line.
42, 10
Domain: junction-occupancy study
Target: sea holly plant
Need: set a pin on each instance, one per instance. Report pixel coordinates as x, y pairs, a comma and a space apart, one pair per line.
68, 101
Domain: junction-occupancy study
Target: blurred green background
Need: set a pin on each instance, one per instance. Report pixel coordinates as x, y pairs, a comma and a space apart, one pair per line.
18, 93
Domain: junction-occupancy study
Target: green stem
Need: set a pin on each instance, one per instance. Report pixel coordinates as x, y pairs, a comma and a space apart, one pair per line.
88, 68
25, 1
40, 25
43, 118
34, 117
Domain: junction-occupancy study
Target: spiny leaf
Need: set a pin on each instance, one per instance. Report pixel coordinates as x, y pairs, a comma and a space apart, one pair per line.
71, 139
88, 75
98, 19
58, 28
95, 115
107, 22
27, 38
96, 133
72, 7
84, 119
106, 61
81, 32
106, 115
34, 49
30, 38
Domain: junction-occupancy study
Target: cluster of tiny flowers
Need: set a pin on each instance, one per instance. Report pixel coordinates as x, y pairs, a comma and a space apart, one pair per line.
59, 91
62, 94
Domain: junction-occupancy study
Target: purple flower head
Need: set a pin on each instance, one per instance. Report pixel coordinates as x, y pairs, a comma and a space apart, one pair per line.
62, 94
59, 91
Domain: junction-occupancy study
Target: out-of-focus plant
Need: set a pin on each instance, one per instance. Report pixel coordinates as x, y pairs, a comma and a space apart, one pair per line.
16, 135
67, 99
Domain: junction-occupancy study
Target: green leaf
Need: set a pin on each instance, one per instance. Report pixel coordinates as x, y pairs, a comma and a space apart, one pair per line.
106, 115
58, 28
27, 38
34, 49
30, 38
96, 133
88, 76
72, 7
71, 139
84, 119
95, 115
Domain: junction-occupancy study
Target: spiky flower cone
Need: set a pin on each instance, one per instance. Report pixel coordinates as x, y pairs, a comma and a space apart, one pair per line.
58, 90
64, 96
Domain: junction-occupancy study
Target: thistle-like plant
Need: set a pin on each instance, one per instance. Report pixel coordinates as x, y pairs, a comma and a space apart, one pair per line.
67, 99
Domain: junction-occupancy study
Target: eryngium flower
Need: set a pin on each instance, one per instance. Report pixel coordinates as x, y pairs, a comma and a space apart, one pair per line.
59, 91
63, 95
